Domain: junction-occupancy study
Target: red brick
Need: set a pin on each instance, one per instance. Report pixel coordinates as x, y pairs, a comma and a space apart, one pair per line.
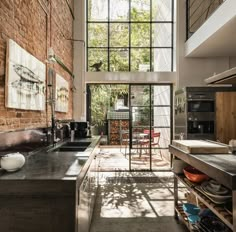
26, 23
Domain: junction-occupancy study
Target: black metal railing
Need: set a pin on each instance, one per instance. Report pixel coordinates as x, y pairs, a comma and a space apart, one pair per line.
198, 11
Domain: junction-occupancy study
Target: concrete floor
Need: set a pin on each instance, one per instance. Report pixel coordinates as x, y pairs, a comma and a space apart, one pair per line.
135, 201
114, 159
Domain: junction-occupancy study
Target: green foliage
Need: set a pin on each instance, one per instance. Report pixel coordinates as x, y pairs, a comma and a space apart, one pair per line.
119, 37
103, 98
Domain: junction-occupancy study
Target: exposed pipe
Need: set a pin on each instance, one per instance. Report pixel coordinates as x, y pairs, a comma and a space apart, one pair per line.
55, 59
51, 101
71, 11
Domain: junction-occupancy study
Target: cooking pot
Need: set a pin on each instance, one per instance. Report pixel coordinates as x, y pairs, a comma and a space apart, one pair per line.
12, 162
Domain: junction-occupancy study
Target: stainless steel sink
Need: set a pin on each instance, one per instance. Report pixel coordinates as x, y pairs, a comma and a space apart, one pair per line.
65, 148
73, 146
77, 144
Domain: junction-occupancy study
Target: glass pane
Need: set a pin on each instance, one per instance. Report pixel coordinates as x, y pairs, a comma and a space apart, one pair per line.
141, 117
140, 10
119, 10
140, 35
119, 35
161, 116
97, 35
161, 60
97, 59
140, 95
119, 60
161, 95
97, 10
140, 59
164, 137
161, 35
161, 10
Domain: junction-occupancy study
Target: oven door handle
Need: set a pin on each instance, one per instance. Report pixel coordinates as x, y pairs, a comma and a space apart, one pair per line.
205, 99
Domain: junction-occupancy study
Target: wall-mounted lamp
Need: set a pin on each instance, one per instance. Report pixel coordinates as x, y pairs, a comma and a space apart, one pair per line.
52, 58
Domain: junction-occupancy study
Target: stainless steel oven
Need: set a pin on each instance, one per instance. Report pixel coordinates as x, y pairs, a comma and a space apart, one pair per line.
201, 102
195, 113
201, 106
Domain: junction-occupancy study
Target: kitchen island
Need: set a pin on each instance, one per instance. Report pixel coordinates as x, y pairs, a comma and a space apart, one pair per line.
221, 167
52, 192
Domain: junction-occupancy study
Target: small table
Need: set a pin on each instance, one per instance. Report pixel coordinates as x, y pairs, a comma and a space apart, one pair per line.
141, 136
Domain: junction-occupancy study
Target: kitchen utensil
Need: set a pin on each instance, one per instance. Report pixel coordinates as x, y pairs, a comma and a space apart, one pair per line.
194, 175
217, 201
214, 185
205, 186
213, 224
193, 218
178, 166
190, 209
12, 162
221, 190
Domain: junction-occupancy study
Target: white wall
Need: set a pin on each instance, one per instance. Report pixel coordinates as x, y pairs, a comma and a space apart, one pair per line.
130, 77
232, 62
193, 71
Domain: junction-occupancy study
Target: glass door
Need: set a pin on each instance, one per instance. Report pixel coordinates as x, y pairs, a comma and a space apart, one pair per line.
140, 121
150, 126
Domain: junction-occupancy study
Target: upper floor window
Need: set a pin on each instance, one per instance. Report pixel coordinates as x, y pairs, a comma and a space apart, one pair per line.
130, 35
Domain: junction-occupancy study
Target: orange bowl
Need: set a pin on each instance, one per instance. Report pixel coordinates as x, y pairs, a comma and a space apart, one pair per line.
194, 175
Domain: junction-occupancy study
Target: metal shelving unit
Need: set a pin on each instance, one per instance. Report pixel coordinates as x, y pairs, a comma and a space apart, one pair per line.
218, 210
183, 217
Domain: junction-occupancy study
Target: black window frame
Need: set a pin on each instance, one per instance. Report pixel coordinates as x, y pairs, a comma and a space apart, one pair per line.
129, 47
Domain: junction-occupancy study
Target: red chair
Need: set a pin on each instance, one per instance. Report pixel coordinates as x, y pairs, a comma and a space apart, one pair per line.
146, 131
155, 139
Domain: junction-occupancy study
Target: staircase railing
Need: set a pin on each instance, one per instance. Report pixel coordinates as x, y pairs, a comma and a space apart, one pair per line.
198, 11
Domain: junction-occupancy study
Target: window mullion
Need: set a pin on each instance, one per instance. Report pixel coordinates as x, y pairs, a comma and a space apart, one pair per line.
172, 36
129, 62
150, 58
108, 38
142, 55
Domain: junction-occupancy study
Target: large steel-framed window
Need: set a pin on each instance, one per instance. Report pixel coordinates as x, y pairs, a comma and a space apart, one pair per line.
130, 35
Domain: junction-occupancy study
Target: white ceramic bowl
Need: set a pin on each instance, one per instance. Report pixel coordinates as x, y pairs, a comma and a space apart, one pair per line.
12, 162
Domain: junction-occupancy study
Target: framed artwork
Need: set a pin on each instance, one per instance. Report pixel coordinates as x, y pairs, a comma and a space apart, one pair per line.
62, 94
25, 79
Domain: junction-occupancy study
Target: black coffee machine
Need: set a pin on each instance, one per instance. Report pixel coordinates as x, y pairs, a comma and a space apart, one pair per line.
81, 129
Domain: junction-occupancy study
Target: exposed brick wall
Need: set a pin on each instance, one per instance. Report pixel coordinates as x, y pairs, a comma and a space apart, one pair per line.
35, 26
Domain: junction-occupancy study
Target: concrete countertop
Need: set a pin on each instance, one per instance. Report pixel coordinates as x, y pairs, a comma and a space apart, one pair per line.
53, 165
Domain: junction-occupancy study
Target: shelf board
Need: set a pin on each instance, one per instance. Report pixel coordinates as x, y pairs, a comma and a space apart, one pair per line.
218, 210
182, 216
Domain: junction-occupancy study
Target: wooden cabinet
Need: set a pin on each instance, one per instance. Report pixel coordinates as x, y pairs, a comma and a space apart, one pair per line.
52, 201
225, 116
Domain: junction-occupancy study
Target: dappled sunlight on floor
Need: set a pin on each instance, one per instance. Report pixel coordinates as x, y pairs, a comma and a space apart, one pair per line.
115, 159
135, 201
125, 200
